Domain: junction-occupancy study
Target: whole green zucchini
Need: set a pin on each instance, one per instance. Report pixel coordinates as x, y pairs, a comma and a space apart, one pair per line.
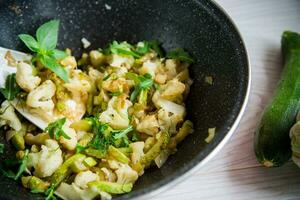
272, 144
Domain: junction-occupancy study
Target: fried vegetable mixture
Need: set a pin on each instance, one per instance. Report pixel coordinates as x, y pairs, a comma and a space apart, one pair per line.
112, 114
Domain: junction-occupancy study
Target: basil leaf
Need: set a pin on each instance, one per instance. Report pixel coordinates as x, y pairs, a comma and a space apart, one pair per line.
11, 87
47, 35
23, 165
58, 54
55, 129
180, 54
52, 64
155, 45
1, 148
30, 42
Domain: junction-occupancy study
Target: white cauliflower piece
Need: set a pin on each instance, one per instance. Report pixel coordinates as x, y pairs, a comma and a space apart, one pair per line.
73, 192
172, 89
46, 161
69, 61
71, 143
116, 114
78, 82
137, 151
25, 78
9, 116
121, 61
126, 174
83, 178
110, 176
148, 125
149, 67
170, 66
94, 74
41, 96
97, 58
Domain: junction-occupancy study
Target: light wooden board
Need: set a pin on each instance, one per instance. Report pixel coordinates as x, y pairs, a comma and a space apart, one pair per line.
234, 173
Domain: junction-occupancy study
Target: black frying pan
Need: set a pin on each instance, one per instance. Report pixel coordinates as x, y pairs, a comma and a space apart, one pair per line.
198, 26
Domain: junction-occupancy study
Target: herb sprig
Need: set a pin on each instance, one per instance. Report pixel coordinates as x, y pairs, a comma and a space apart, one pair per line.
180, 54
55, 129
142, 83
136, 51
10, 163
11, 89
104, 136
44, 46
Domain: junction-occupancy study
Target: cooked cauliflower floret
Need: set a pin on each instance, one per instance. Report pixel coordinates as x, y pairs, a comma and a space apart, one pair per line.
83, 178
171, 66
172, 89
25, 78
116, 114
121, 61
79, 82
73, 192
71, 143
97, 58
148, 125
94, 74
137, 151
126, 174
41, 96
118, 85
46, 161
149, 67
9, 116
69, 61
110, 176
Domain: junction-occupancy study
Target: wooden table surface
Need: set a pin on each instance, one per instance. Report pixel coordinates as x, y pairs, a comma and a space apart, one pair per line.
234, 173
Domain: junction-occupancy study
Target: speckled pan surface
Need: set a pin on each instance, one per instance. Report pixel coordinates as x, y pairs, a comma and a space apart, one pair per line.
198, 26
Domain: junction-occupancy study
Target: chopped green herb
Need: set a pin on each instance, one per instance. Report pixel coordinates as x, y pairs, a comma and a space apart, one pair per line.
117, 134
122, 48
44, 46
142, 83
180, 54
155, 45
80, 148
50, 193
11, 89
23, 165
2, 148
55, 129
106, 77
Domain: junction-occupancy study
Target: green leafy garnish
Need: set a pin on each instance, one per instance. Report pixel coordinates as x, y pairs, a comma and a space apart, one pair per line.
55, 129
180, 54
80, 148
2, 148
137, 51
122, 48
104, 136
23, 165
142, 83
10, 163
155, 45
50, 193
44, 46
118, 134
11, 89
